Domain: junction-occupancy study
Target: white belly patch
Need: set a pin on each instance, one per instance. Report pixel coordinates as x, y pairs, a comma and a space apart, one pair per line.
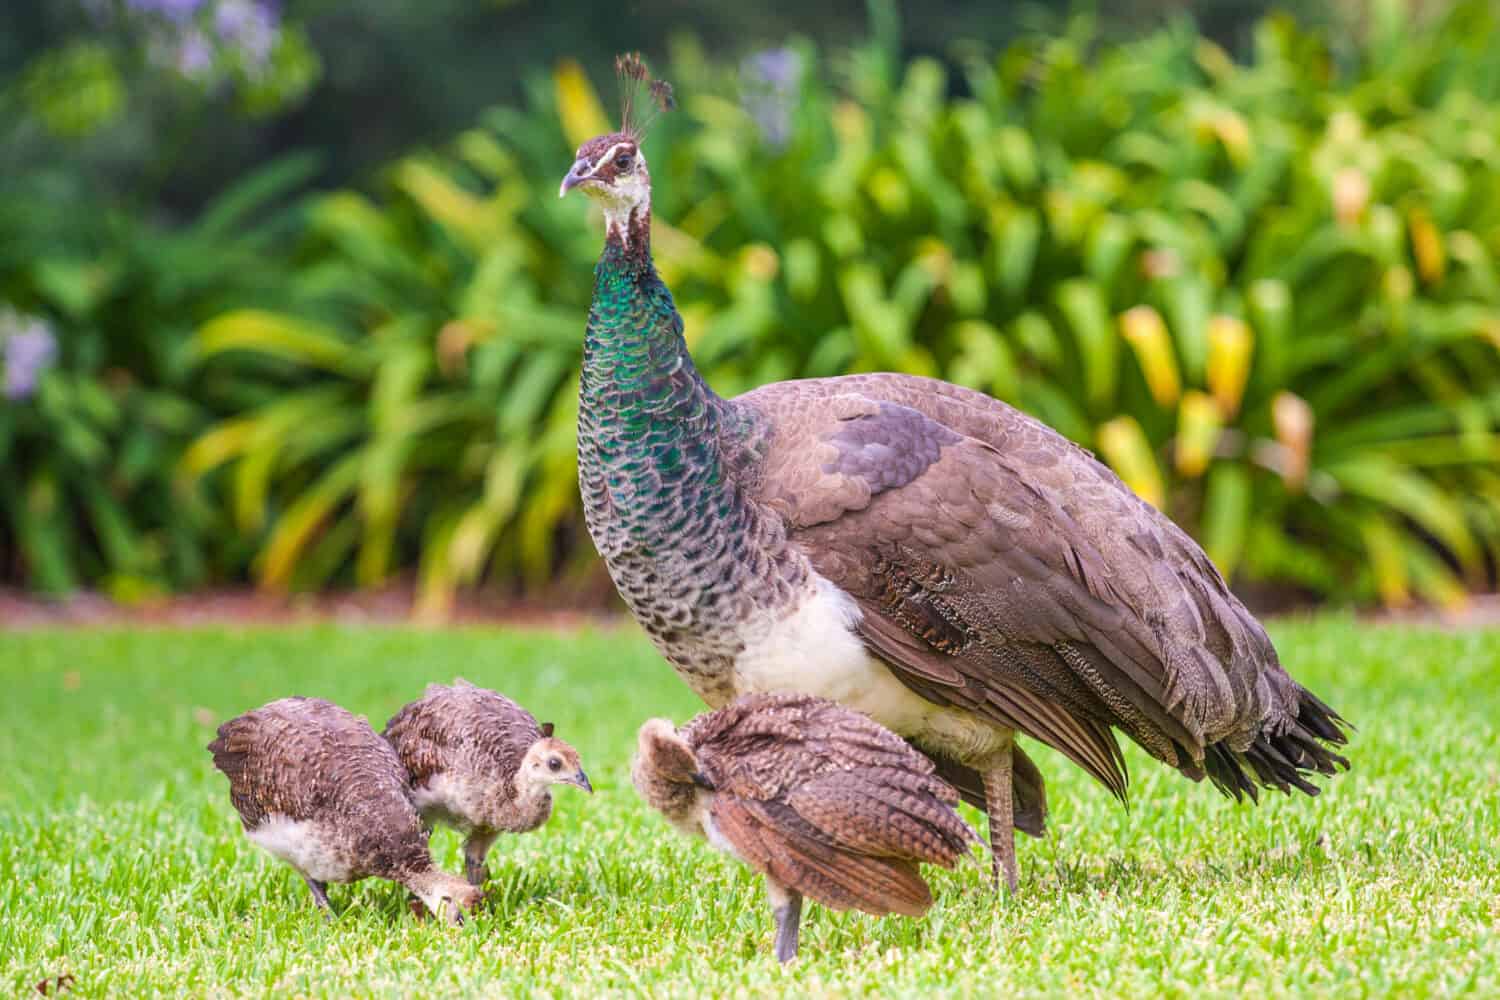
815, 651
303, 845
448, 800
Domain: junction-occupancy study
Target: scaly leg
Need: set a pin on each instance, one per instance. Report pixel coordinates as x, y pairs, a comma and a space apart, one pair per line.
475, 850
320, 895
786, 908
999, 803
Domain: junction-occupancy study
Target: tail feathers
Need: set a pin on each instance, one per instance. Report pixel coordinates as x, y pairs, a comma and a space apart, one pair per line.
1285, 760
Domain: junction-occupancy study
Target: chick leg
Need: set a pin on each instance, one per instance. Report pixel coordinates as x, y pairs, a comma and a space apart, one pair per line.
999, 804
320, 895
476, 848
786, 909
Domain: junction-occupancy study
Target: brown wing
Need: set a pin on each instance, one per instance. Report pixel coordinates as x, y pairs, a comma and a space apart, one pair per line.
767, 837
1002, 569
306, 758
462, 727
827, 802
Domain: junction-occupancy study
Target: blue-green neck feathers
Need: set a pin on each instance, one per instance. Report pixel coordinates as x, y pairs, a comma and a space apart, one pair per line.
648, 424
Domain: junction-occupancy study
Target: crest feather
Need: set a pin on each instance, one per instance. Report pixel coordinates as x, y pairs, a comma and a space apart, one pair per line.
634, 77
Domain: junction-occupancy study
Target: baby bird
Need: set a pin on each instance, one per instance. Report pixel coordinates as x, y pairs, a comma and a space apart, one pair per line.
318, 788
816, 797
480, 763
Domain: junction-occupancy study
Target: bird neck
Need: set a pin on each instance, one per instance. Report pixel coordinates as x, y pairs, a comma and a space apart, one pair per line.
647, 420
627, 237
661, 459
533, 804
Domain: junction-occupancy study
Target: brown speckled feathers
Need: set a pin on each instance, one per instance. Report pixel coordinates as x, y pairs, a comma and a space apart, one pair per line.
826, 802
463, 727
1001, 569
306, 759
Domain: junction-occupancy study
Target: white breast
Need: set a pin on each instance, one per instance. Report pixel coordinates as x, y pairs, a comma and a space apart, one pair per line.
815, 651
449, 800
304, 845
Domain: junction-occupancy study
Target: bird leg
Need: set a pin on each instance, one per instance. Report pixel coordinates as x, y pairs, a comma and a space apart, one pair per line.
475, 849
320, 895
999, 804
786, 908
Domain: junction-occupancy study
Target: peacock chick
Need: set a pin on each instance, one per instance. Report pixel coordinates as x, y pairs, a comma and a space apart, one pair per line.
317, 787
818, 798
481, 764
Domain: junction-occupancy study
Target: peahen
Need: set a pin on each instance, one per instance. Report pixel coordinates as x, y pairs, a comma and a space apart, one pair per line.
917, 551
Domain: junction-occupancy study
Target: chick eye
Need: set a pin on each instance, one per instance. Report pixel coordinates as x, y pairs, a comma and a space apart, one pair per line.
555, 764
622, 162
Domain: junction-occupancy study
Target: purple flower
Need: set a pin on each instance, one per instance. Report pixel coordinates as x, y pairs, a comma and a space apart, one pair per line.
30, 349
781, 68
249, 26
772, 77
195, 56
173, 10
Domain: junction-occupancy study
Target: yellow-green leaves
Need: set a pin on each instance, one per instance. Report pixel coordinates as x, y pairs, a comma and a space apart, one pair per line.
286, 337
1146, 333
1083, 306
1124, 446
1199, 423
578, 105
1229, 348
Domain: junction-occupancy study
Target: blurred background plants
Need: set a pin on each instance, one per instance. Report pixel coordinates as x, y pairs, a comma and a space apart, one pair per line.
1259, 280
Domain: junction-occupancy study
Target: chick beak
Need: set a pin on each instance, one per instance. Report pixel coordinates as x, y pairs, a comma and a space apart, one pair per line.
576, 176
582, 781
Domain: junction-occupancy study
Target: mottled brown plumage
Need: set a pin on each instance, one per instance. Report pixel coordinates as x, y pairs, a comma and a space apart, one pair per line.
480, 763
316, 787
931, 557
1000, 569
817, 798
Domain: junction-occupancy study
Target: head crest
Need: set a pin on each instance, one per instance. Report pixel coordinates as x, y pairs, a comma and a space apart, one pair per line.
635, 119
547, 730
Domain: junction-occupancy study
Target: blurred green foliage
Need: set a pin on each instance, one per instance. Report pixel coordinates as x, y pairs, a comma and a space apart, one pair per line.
91, 433
1265, 291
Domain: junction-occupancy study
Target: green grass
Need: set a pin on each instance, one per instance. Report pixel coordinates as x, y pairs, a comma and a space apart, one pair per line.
122, 862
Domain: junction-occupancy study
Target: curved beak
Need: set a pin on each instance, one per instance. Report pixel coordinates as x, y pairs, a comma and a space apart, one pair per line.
582, 781
576, 176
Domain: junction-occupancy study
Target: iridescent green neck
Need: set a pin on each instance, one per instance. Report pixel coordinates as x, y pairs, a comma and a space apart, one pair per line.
634, 350
648, 424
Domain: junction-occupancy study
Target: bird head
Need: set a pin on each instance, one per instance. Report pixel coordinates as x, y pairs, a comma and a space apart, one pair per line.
445, 895
550, 761
666, 772
611, 169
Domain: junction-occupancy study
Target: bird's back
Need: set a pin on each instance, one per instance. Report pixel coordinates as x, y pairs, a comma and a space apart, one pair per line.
308, 760
462, 729
1000, 555
827, 802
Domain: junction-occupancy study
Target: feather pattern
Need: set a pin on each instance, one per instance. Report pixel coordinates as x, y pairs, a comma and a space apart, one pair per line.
472, 735
938, 560
318, 788
819, 798
1016, 576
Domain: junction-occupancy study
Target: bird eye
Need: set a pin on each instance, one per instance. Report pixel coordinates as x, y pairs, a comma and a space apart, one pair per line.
555, 764
622, 162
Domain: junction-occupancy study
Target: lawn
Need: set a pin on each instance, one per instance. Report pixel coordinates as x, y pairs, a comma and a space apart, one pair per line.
122, 863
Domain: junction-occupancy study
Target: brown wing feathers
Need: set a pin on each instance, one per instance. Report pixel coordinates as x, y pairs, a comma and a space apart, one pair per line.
463, 725
827, 802
1000, 568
